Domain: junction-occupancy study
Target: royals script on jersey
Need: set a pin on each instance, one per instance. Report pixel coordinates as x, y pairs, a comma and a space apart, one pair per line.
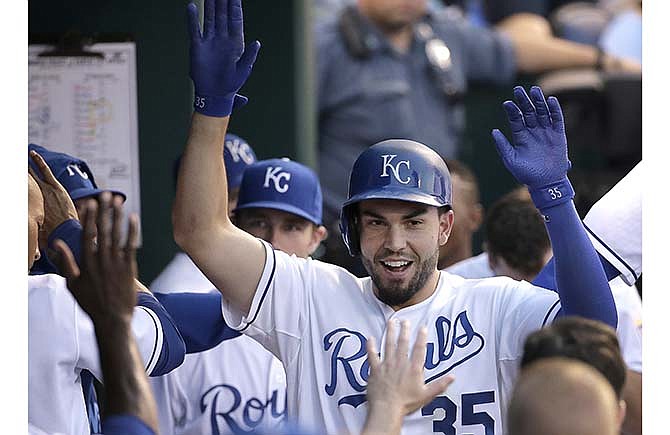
316, 317
235, 387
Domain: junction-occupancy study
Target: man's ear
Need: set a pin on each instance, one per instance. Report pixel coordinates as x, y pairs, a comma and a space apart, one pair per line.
446, 224
319, 234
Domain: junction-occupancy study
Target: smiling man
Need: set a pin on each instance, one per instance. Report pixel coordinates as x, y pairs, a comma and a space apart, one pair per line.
316, 318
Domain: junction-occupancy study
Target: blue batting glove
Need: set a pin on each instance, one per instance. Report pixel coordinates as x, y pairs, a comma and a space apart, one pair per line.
220, 63
539, 156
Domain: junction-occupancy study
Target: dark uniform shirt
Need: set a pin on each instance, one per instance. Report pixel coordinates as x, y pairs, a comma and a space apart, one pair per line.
386, 94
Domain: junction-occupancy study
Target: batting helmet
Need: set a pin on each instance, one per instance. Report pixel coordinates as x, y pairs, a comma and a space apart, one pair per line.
394, 169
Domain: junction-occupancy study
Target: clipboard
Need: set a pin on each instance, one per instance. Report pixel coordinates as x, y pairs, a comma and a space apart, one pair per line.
82, 100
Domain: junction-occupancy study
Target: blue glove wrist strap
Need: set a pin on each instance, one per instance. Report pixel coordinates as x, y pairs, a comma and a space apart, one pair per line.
219, 106
553, 194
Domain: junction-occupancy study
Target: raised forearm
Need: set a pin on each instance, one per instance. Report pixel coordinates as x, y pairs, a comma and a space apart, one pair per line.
539, 159
580, 277
546, 53
537, 50
202, 194
126, 386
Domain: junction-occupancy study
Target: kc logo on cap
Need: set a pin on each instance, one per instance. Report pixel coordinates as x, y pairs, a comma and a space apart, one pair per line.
276, 175
240, 150
73, 167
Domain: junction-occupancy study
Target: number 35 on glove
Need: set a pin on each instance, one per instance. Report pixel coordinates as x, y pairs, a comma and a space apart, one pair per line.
538, 155
220, 62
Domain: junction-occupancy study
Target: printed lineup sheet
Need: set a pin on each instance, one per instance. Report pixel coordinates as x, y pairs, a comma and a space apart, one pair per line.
87, 107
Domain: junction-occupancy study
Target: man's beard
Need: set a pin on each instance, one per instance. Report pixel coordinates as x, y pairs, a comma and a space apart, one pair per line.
395, 294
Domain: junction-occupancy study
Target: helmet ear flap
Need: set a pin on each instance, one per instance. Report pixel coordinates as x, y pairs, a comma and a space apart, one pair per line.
349, 229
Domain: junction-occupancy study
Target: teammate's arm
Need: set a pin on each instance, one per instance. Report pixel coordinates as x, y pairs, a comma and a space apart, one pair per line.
61, 223
539, 159
220, 64
104, 287
614, 222
199, 319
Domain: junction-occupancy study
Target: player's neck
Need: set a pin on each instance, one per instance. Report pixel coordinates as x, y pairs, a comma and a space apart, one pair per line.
424, 293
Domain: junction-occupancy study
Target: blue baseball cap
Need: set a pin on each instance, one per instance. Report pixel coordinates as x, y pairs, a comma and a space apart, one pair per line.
237, 155
282, 184
71, 172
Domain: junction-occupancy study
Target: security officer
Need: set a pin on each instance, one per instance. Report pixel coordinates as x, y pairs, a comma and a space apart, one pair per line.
398, 69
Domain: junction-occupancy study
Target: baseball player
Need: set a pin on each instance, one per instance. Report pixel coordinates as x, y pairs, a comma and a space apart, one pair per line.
557, 396
77, 179
181, 274
238, 385
61, 337
316, 317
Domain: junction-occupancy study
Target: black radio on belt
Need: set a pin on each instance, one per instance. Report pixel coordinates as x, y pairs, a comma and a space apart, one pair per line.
360, 43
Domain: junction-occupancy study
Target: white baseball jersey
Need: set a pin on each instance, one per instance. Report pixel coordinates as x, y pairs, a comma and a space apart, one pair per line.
236, 386
615, 225
316, 318
629, 328
472, 268
181, 275
34, 430
626, 298
61, 343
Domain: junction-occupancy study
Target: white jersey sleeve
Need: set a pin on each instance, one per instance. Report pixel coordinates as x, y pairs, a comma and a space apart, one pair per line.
276, 317
61, 343
148, 335
629, 328
614, 224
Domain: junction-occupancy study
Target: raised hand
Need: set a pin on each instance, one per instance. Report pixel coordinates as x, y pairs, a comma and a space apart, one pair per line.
58, 206
397, 383
104, 287
539, 156
220, 62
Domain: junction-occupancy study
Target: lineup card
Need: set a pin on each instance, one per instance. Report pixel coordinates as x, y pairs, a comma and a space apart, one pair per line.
87, 107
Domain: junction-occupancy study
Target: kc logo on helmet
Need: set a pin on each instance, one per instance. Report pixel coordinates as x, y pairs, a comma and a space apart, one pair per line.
239, 151
394, 168
276, 175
